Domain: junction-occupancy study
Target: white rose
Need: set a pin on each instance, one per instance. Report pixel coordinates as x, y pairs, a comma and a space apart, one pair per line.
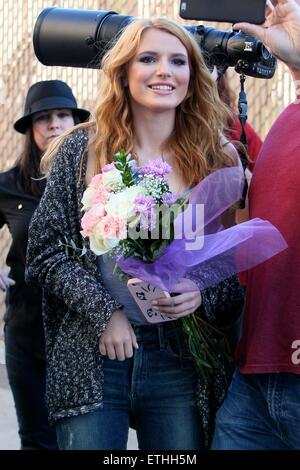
100, 246
112, 180
87, 198
122, 204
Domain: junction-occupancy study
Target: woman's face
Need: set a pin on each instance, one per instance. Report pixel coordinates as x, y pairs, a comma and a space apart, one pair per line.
158, 75
48, 125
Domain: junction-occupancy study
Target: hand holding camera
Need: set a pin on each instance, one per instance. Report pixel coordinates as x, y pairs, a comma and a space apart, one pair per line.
280, 32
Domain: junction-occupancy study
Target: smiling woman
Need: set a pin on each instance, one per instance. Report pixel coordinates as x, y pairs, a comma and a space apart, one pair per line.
160, 68
50, 109
156, 101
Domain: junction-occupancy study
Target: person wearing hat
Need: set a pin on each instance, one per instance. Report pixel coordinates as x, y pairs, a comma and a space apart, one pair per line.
50, 109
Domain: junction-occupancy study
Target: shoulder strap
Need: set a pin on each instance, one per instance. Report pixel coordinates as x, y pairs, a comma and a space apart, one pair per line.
243, 106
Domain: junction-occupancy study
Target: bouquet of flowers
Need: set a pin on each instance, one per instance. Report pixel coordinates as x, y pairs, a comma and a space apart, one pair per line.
132, 214
121, 206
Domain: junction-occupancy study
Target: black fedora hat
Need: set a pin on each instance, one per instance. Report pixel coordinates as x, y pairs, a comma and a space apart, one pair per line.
48, 94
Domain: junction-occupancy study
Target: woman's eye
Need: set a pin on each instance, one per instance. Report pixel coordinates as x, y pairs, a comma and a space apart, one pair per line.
179, 61
147, 59
43, 117
63, 115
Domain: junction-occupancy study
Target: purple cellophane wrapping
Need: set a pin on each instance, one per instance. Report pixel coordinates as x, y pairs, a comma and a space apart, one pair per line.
205, 246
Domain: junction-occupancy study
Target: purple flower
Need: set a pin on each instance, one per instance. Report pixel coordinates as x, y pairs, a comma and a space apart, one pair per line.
168, 199
108, 167
143, 205
156, 168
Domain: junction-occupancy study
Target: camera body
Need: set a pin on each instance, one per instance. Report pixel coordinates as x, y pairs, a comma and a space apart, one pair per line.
80, 38
234, 49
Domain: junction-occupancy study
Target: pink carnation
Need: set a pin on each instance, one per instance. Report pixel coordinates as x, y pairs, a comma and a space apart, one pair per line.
96, 181
113, 227
100, 196
91, 218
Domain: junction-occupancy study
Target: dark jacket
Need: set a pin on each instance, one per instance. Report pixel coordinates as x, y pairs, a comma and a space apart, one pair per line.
76, 305
23, 316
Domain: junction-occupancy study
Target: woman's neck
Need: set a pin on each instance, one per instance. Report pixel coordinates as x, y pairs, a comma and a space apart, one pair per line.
152, 130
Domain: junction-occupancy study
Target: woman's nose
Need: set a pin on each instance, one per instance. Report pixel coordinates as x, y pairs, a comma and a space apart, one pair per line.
54, 121
163, 68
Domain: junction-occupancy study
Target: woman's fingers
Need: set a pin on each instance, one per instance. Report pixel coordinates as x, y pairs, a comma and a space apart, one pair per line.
176, 300
127, 350
179, 305
110, 351
134, 340
102, 348
184, 308
118, 349
5, 282
9, 281
170, 301
118, 339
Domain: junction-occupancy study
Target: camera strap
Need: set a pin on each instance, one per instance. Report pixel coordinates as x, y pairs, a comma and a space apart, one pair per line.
243, 107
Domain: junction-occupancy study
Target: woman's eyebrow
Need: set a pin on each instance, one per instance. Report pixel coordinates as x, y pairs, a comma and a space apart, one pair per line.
147, 52
177, 54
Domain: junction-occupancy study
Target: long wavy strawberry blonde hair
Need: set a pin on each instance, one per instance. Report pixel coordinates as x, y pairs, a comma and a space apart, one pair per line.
195, 142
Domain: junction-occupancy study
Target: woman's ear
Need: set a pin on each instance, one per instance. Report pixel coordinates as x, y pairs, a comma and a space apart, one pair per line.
125, 81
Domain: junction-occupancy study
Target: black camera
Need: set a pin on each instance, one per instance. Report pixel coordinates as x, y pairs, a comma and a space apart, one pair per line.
234, 49
79, 38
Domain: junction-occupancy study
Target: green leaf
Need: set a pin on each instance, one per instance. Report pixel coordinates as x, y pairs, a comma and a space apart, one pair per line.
206, 344
83, 251
73, 245
130, 253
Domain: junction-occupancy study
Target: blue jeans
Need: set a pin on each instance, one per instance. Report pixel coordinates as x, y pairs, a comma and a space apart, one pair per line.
27, 377
155, 389
260, 412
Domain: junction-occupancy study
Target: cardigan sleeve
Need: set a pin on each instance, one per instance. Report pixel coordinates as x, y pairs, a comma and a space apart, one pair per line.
48, 264
222, 304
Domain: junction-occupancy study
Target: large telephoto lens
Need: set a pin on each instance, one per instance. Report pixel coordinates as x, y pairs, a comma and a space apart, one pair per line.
75, 38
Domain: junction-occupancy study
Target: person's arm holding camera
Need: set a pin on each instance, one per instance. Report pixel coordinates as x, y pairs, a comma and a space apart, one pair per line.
280, 32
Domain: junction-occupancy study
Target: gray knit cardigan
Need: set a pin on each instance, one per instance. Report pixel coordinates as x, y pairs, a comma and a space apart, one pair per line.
77, 307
